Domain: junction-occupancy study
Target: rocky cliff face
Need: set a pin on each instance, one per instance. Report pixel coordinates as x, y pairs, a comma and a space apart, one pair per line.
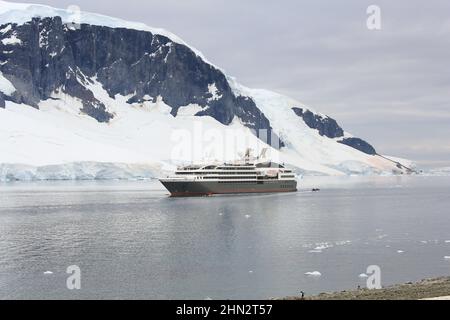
325, 125
49, 56
329, 127
359, 144
46, 56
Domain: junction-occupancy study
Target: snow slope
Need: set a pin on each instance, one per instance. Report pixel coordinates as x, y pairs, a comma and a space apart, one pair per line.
143, 135
144, 140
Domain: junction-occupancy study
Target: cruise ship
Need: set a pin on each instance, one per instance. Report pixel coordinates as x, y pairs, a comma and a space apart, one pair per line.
231, 178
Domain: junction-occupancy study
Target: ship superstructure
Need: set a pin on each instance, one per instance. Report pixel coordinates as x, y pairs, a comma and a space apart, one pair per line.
244, 176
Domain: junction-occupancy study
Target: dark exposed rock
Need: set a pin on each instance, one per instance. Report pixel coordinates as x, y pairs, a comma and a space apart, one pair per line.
330, 128
325, 125
359, 144
129, 62
91, 106
2, 101
254, 119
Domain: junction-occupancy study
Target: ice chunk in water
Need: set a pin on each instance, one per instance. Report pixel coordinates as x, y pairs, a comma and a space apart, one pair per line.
363, 275
313, 274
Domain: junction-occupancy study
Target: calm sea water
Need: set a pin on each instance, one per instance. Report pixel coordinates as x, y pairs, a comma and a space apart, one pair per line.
131, 241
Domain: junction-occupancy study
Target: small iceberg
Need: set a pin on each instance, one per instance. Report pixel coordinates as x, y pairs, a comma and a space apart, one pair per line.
447, 257
400, 251
323, 246
313, 274
315, 251
48, 272
248, 216
363, 275
342, 243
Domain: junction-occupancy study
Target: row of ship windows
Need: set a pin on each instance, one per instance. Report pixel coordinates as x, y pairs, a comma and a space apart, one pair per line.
228, 178
216, 173
284, 186
237, 168
239, 182
244, 177
234, 179
226, 173
227, 169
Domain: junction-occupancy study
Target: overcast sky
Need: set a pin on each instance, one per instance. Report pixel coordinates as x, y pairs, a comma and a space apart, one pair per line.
390, 87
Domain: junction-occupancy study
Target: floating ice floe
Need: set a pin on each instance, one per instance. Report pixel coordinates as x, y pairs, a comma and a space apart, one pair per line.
323, 246
447, 241
342, 243
363, 275
315, 251
447, 257
251, 271
248, 216
313, 274
400, 251
48, 272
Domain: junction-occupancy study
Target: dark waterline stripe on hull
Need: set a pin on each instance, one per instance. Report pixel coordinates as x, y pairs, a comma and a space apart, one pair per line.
192, 194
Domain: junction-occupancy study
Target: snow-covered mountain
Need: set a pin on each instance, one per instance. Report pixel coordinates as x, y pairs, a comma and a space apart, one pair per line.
85, 96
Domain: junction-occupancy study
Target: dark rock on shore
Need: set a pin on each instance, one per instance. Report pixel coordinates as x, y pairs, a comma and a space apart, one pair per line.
425, 289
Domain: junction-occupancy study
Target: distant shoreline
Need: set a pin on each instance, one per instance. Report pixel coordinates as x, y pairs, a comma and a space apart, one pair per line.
424, 289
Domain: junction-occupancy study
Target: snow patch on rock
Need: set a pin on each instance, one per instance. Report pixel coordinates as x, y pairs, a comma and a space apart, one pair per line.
6, 86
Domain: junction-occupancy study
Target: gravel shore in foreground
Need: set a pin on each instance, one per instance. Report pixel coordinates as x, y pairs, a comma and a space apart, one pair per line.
425, 289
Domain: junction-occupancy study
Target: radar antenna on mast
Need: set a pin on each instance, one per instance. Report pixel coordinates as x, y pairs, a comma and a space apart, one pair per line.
248, 154
263, 153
